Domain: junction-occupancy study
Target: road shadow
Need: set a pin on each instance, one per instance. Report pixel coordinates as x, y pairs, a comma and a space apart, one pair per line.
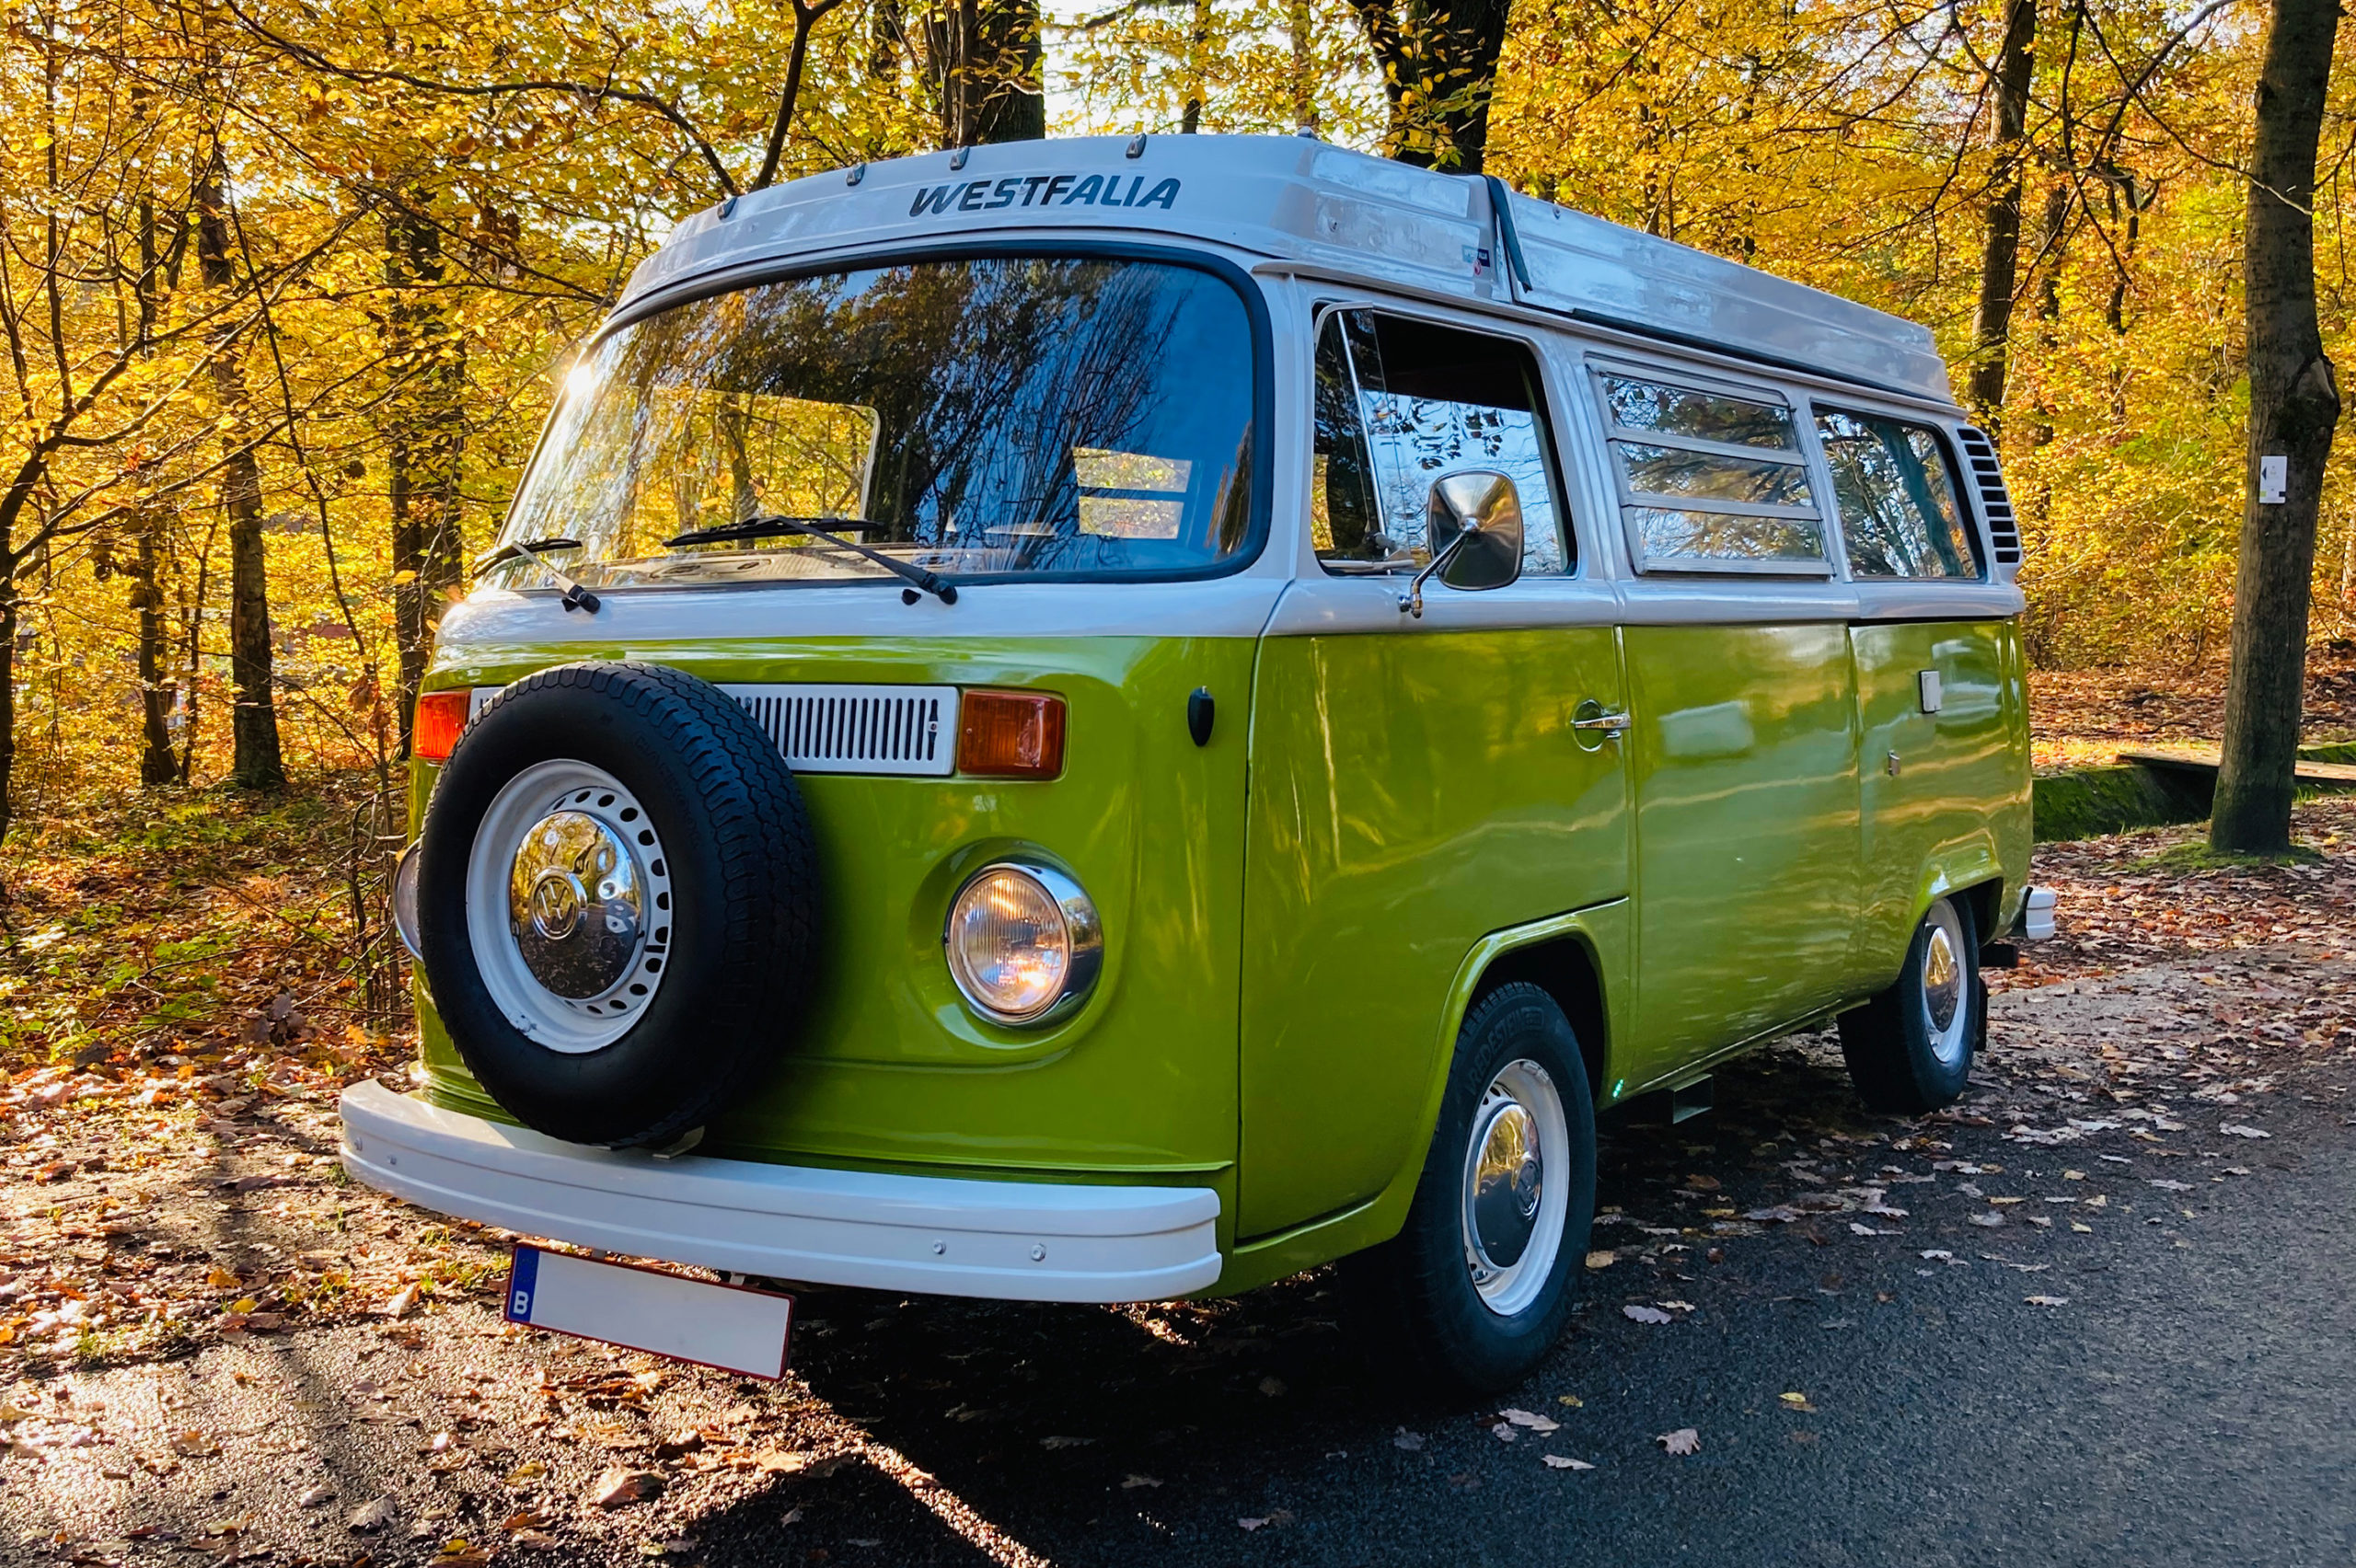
1098, 1434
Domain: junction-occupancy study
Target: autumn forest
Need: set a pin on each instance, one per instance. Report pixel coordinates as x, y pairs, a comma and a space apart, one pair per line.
287, 287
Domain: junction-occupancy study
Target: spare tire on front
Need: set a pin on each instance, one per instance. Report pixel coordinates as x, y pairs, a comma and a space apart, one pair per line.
617, 902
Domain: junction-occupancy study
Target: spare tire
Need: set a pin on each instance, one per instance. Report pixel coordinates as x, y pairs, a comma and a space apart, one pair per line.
617, 902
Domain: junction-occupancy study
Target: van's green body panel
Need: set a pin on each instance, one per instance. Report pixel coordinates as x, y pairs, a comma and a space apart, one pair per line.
1411, 794
1602, 932
1744, 752
1955, 811
892, 1070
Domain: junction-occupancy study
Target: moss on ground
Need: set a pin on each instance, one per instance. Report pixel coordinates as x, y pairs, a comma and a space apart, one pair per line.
2095, 801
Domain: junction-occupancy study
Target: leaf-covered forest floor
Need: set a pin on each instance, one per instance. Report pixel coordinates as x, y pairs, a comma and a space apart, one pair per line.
2082, 718
210, 1340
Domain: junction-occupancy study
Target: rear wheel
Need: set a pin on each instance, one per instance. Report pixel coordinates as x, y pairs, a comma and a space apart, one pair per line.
1474, 1291
1910, 1049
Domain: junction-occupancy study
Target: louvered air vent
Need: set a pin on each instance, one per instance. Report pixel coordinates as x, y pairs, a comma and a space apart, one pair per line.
2003, 532
844, 729
858, 728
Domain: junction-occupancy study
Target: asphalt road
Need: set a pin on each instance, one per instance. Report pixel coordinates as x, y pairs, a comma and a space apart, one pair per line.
2188, 1395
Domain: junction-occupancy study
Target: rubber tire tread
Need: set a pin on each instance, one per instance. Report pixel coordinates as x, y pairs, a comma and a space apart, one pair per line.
1410, 1302
749, 1001
1886, 1042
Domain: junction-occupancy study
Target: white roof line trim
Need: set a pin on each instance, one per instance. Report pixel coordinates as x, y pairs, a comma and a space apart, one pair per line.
1639, 348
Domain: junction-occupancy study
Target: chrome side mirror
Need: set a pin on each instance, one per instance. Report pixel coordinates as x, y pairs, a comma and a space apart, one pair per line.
1474, 528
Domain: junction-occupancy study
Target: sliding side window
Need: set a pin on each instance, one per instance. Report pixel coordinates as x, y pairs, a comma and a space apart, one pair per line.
1709, 480
1400, 403
1896, 493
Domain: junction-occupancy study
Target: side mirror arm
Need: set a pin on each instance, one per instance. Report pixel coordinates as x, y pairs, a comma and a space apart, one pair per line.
1411, 602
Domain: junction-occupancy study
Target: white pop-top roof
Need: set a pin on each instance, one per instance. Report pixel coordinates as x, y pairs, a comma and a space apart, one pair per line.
1327, 208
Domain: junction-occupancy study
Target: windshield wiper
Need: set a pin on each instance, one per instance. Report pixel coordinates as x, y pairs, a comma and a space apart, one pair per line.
575, 597
769, 527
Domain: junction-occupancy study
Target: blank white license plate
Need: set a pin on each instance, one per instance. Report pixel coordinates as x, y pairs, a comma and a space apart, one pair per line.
728, 1326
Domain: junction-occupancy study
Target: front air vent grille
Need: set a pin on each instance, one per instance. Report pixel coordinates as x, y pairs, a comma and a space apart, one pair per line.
858, 728
2004, 531
906, 729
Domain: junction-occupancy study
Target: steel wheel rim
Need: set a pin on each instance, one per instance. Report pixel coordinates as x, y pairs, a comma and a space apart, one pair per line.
1946, 1013
1516, 1186
541, 911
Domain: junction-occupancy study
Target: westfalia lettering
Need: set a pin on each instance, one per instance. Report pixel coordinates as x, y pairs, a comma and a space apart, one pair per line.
1044, 190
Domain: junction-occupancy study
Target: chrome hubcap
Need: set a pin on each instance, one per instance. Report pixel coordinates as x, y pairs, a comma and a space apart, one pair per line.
574, 905
569, 905
1944, 1016
1513, 1215
1507, 1181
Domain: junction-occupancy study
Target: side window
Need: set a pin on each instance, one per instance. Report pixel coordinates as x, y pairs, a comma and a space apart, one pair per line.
1896, 494
1400, 403
1710, 481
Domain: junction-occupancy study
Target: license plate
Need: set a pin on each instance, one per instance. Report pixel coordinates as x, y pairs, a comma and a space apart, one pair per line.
731, 1327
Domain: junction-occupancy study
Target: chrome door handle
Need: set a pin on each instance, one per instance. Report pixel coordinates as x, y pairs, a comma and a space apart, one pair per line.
1610, 723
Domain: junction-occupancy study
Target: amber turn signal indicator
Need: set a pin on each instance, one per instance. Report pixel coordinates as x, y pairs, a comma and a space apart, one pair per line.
1011, 734
441, 715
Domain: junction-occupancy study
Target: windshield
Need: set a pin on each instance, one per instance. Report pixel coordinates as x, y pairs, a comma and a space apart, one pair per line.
1025, 416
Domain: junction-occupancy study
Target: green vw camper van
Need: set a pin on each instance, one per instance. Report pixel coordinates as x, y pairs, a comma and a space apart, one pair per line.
1101, 719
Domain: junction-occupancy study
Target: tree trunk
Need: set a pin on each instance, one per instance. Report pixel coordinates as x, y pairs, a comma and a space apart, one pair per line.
2058, 202
253, 720
986, 56
1439, 70
426, 444
156, 763
2293, 404
1198, 46
1304, 82
2000, 255
7, 691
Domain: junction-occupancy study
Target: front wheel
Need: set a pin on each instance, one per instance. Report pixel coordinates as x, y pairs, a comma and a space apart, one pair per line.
1910, 1049
1471, 1294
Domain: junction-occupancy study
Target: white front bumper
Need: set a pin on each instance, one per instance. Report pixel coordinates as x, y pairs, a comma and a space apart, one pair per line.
1015, 1240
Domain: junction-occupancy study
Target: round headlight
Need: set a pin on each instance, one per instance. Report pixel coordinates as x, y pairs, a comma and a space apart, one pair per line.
405, 898
1024, 943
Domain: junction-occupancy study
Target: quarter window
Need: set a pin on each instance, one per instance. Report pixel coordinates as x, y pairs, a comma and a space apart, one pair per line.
1400, 403
1897, 498
1711, 481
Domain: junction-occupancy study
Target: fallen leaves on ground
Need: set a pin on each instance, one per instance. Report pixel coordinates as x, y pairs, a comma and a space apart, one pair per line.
620, 1485
1683, 1441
